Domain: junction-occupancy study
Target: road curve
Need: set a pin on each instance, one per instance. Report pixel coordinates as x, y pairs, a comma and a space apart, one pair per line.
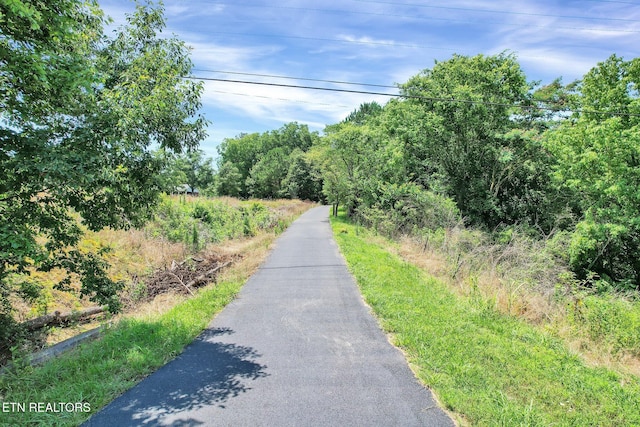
298, 347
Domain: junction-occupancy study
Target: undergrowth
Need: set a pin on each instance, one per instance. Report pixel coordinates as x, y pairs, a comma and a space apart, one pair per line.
488, 367
520, 274
182, 226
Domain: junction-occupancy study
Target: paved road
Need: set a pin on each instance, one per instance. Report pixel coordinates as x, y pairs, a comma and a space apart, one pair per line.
298, 347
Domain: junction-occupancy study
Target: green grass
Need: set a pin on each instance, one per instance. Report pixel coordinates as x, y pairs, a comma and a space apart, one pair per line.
96, 372
488, 368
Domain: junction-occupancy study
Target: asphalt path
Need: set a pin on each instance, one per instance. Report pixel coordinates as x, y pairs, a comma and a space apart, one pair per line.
298, 347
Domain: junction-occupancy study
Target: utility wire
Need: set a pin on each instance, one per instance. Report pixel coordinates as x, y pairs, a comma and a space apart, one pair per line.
328, 89
419, 97
506, 12
295, 78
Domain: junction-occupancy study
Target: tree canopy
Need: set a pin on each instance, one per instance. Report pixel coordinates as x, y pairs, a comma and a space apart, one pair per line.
598, 155
80, 113
270, 165
507, 152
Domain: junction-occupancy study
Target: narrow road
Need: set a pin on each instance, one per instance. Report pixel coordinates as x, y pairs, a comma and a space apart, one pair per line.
298, 347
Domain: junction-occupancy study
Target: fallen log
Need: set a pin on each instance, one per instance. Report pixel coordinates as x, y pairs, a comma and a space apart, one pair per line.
59, 319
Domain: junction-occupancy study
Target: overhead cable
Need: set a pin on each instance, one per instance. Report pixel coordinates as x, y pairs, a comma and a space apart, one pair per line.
506, 12
419, 97
294, 78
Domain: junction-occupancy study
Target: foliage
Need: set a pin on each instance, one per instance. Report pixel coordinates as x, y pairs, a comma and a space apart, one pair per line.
191, 168
506, 152
303, 180
462, 133
599, 159
200, 221
266, 176
609, 319
264, 161
506, 373
228, 180
409, 209
471, 137
79, 115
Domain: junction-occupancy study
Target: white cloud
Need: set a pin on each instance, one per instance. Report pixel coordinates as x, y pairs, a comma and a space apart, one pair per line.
381, 42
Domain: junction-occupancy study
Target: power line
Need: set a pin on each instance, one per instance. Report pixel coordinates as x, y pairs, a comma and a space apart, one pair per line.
295, 78
418, 97
328, 89
507, 12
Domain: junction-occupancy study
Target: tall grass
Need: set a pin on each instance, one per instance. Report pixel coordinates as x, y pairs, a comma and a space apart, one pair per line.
520, 274
488, 367
138, 343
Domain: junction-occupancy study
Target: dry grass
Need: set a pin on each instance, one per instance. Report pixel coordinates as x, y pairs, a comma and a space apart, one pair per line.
133, 255
514, 285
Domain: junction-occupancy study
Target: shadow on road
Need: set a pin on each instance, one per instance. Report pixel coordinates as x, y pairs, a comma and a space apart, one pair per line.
206, 373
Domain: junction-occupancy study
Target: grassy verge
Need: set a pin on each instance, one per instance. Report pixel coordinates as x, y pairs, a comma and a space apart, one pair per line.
97, 372
487, 367
94, 373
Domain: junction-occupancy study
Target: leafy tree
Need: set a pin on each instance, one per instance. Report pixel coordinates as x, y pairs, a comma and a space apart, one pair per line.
169, 177
356, 157
468, 132
257, 156
303, 180
79, 114
243, 152
364, 113
266, 176
196, 168
598, 154
228, 180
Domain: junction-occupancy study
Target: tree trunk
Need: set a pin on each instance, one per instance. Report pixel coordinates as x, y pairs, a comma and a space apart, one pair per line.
58, 318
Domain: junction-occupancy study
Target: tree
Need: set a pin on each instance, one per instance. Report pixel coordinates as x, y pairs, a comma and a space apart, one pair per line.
228, 180
364, 113
598, 155
196, 169
256, 157
471, 133
243, 152
302, 181
79, 115
265, 177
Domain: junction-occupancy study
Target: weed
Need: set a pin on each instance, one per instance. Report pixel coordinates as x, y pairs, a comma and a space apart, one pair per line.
491, 367
98, 371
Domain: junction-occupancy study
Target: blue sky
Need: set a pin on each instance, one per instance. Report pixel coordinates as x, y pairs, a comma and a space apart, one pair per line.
374, 42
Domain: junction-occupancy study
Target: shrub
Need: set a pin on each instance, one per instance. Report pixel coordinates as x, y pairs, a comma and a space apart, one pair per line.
407, 208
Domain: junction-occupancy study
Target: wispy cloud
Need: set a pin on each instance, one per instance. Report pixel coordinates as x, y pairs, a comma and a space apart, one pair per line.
375, 41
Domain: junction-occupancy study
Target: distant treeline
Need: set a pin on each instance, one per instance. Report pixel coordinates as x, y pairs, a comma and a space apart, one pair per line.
473, 140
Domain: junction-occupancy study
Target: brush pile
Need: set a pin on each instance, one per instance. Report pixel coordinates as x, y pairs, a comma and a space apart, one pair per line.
182, 277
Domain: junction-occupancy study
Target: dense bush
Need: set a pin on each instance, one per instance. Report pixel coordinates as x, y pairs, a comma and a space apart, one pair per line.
407, 208
198, 221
